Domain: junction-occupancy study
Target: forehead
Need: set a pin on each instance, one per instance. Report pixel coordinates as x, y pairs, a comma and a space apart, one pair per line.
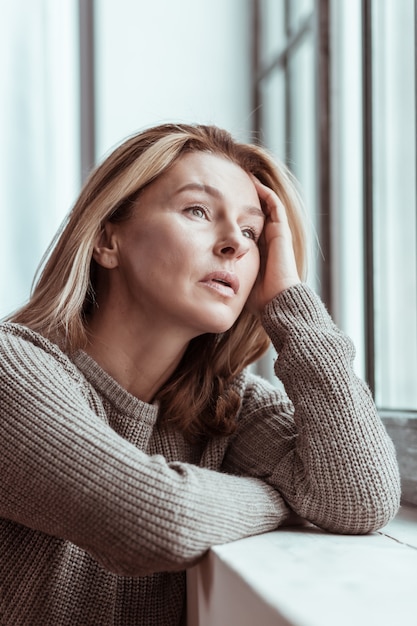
210, 170
203, 176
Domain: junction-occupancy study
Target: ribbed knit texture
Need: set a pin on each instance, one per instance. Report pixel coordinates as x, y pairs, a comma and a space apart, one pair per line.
103, 506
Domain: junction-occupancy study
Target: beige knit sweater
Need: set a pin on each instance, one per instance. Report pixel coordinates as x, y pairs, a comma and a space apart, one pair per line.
103, 507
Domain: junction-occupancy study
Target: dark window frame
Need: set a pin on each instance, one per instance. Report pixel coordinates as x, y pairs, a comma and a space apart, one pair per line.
317, 22
402, 425
87, 98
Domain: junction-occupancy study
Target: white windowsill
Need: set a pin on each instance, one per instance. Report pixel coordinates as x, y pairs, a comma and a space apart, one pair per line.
301, 576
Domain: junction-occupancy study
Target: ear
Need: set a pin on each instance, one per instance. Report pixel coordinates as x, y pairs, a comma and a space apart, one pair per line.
105, 251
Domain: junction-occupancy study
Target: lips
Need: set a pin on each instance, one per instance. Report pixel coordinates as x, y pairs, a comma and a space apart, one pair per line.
222, 281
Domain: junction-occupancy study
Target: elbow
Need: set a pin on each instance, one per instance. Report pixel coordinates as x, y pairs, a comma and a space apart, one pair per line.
356, 513
364, 515
376, 507
367, 518
139, 565
169, 555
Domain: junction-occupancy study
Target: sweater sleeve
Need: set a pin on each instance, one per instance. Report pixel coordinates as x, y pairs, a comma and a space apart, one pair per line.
324, 446
65, 472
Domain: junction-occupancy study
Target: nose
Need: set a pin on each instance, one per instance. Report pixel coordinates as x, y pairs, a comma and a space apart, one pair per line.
232, 243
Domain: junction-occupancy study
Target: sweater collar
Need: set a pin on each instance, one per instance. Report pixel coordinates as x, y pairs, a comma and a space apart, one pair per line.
107, 386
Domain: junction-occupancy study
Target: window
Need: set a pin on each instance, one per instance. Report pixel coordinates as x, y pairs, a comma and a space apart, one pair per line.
285, 96
394, 203
334, 89
39, 162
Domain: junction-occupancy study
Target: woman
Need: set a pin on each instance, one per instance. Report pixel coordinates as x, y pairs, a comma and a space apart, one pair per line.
133, 436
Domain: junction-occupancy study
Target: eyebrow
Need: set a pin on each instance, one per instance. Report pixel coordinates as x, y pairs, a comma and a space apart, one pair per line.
213, 191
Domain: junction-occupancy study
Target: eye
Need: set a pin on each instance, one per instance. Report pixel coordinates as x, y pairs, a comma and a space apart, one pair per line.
250, 233
198, 211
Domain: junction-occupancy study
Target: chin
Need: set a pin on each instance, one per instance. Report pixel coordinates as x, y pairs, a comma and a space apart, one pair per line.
218, 323
221, 327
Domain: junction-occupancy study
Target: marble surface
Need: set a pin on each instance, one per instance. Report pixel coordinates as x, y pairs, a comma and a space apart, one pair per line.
302, 576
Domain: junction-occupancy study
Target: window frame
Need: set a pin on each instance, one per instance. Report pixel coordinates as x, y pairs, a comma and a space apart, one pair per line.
401, 425
87, 86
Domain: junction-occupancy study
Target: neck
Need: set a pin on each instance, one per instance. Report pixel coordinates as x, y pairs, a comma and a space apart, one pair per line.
140, 360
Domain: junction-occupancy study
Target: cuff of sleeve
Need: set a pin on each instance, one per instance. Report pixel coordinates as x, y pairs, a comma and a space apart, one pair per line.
298, 307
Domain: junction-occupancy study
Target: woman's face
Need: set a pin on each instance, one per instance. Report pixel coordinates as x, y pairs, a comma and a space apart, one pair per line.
188, 257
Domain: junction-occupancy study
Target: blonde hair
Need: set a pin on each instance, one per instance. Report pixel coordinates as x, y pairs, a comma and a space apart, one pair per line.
198, 398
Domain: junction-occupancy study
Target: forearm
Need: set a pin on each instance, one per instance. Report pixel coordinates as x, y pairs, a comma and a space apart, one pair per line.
331, 457
352, 476
71, 476
137, 514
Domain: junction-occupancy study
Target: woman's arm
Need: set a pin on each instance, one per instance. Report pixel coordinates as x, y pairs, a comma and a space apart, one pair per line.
65, 472
326, 450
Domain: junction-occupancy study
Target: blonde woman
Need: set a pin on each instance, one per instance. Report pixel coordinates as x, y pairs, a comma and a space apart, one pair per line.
133, 436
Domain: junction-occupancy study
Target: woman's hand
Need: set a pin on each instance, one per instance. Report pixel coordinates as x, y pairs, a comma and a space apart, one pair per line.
278, 266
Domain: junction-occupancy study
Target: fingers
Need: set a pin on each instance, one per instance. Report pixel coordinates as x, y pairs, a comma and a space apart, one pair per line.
272, 205
278, 263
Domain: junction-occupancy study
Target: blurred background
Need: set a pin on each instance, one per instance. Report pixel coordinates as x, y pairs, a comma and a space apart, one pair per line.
327, 85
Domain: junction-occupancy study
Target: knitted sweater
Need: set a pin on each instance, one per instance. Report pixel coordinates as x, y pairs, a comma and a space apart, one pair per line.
103, 506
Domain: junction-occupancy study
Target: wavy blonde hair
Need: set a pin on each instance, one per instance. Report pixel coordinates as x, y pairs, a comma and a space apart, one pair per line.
199, 398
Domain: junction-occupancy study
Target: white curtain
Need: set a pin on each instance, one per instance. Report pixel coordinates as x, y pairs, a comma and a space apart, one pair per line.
39, 147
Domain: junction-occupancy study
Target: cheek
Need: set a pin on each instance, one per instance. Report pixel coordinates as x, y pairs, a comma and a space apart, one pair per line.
252, 268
